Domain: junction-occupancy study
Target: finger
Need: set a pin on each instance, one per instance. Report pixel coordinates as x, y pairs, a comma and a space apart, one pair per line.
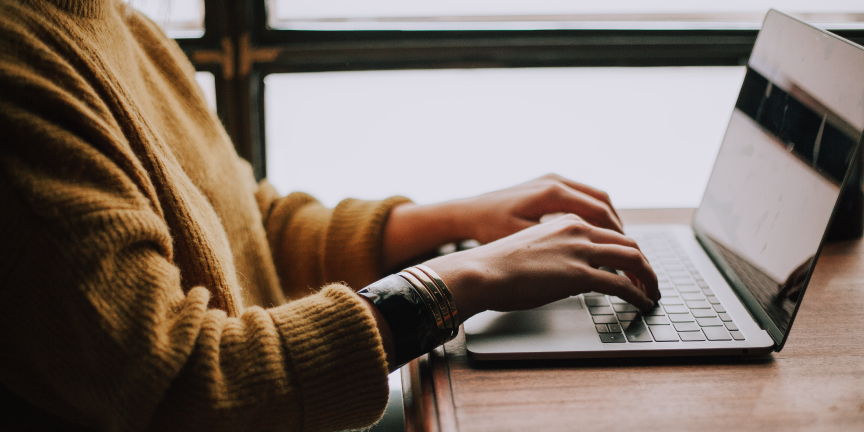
606, 236
594, 211
628, 260
620, 286
595, 193
552, 216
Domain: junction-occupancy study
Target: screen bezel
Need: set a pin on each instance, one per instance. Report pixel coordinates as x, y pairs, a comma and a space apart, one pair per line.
749, 301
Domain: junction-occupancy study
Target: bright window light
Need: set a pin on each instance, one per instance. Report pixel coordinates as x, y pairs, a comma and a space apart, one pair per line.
648, 136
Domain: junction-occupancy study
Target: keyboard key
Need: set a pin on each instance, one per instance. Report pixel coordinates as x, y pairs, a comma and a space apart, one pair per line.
596, 301
605, 319
675, 318
637, 332
709, 322
614, 328
663, 333
731, 326
668, 293
671, 301
703, 313
692, 296
719, 308
688, 289
702, 284
699, 304
629, 316
713, 300
600, 310
683, 281
685, 327
690, 336
737, 335
676, 309
617, 300
624, 308
707, 292
716, 334
612, 338
601, 328
724, 317
664, 284
657, 320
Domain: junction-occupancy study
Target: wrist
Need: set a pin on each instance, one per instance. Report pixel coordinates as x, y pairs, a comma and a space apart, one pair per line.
413, 230
466, 280
406, 317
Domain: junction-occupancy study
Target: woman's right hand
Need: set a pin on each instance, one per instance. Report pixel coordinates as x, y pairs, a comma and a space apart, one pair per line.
545, 263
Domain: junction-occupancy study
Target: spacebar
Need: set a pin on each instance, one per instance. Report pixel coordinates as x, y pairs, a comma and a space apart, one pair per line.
637, 332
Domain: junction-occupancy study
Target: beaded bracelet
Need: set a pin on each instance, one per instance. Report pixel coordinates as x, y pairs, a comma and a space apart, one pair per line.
418, 308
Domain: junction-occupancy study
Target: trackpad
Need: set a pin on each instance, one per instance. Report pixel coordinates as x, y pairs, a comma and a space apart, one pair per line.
556, 327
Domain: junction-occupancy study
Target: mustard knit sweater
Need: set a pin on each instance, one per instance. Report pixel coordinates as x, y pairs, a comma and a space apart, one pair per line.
143, 272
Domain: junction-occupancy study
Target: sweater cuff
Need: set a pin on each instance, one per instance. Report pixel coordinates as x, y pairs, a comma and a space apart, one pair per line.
338, 358
353, 251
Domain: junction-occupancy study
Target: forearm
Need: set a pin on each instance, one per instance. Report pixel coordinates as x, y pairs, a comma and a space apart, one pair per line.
413, 230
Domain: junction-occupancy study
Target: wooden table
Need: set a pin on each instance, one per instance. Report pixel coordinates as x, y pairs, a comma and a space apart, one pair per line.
815, 383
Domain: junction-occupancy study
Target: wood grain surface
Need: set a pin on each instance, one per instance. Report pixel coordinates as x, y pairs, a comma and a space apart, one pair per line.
815, 384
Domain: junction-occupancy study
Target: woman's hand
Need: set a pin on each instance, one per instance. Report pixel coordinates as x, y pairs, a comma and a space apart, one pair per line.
498, 214
545, 263
413, 230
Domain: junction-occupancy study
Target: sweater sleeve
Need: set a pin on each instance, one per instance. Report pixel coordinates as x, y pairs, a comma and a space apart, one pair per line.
100, 327
313, 245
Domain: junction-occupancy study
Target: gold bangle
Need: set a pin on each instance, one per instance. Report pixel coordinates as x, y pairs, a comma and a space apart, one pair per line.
424, 293
446, 291
433, 289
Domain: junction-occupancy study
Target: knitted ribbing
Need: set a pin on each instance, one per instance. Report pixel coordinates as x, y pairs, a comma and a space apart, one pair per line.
137, 282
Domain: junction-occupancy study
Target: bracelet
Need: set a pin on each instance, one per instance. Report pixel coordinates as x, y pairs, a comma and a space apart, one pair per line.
418, 308
427, 283
412, 325
445, 291
437, 289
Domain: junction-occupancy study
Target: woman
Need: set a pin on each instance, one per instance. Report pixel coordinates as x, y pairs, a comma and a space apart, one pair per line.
150, 283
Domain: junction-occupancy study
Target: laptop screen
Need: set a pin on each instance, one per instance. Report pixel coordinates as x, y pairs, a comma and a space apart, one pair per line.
788, 147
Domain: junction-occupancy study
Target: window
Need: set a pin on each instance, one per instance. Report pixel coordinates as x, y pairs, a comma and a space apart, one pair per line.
444, 134
268, 57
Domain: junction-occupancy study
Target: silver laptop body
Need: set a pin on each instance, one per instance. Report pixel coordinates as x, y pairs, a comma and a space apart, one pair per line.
733, 280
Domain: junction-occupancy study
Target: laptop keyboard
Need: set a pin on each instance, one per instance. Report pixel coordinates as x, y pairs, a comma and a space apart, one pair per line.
688, 310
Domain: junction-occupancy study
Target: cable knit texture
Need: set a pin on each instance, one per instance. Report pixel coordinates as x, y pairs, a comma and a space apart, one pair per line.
138, 287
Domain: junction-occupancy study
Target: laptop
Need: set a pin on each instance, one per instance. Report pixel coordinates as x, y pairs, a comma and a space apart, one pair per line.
733, 280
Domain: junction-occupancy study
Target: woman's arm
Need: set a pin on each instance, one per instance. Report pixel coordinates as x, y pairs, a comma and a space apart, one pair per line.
523, 264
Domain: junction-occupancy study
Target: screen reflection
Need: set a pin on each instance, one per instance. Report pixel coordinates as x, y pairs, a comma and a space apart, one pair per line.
789, 144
